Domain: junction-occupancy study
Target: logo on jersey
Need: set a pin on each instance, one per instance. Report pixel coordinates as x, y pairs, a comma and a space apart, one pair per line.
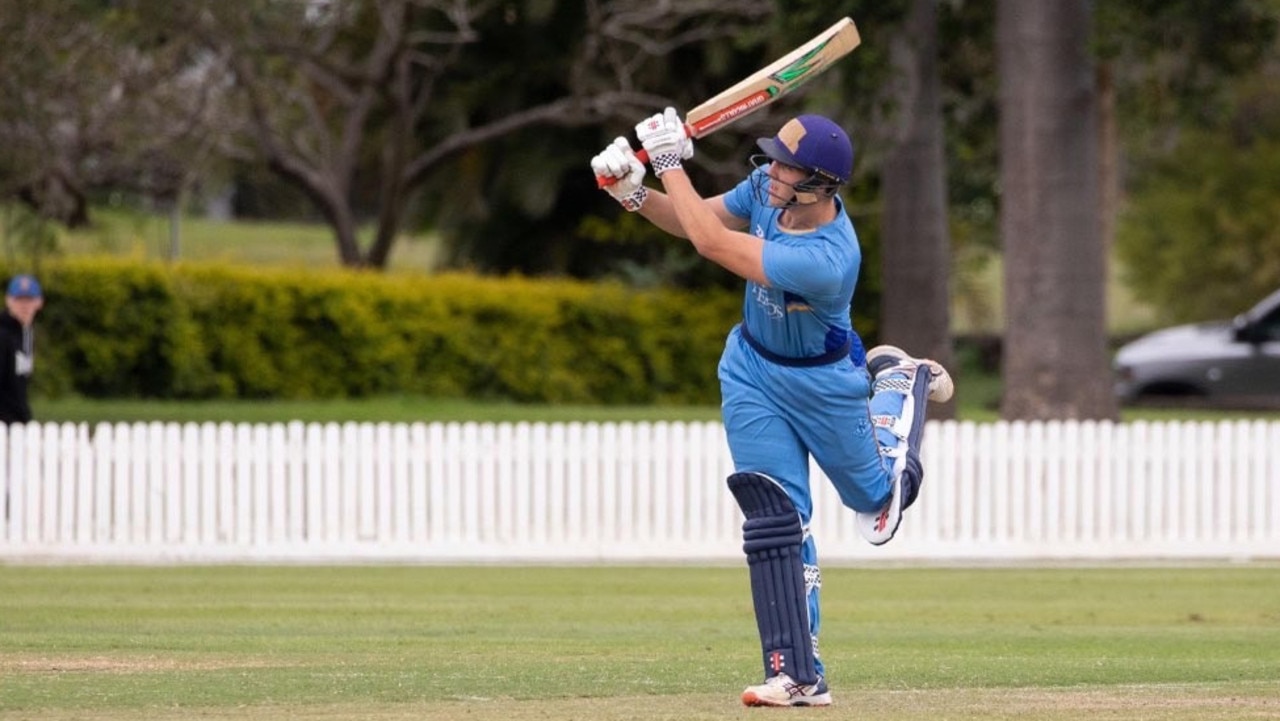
770, 306
795, 303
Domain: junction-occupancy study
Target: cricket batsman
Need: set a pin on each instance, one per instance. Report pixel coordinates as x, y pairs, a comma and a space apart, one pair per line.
795, 380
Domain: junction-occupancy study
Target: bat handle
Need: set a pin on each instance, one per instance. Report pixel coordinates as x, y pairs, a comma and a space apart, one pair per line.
604, 181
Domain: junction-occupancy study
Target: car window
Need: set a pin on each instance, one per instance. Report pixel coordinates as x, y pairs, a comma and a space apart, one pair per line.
1269, 326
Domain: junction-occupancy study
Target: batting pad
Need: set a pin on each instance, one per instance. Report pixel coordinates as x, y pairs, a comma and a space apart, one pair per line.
898, 413
772, 535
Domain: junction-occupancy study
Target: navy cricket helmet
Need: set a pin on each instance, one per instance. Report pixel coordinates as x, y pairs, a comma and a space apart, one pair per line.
815, 144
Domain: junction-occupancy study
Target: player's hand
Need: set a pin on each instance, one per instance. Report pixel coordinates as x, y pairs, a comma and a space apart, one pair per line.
618, 162
665, 140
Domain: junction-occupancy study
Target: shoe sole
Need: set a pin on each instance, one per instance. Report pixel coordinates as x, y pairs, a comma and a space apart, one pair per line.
881, 528
751, 699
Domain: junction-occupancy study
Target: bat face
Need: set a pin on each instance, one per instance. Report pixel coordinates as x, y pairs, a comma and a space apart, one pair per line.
774, 81
767, 84
703, 120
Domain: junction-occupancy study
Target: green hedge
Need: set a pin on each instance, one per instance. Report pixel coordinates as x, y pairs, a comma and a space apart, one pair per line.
115, 328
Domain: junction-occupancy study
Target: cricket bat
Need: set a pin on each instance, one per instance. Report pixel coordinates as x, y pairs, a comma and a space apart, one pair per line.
767, 84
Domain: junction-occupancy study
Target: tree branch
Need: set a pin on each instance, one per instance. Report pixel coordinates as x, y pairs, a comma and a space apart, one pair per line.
565, 112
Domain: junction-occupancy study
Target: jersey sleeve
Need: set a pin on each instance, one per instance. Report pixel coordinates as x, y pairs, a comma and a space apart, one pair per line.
803, 269
741, 201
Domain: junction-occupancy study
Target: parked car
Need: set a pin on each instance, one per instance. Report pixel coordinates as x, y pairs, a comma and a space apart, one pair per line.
1232, 363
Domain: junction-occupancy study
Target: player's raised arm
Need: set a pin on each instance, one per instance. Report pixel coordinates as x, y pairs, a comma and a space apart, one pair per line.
713, 233
624, 174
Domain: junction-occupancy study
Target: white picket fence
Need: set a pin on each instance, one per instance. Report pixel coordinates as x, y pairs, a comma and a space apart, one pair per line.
613, 492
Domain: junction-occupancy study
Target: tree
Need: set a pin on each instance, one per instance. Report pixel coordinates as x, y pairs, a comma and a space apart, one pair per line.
371, 99
1163, 65
916, 245
1201, 234
1055, 346
95, 100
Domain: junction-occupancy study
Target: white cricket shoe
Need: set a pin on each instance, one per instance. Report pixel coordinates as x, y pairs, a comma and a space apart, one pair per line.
941, 387
878, 527
780, 690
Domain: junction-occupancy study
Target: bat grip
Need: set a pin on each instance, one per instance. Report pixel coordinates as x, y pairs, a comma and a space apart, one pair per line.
603, 181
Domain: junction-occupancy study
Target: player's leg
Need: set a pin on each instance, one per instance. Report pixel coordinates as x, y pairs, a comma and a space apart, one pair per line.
772, 488
784, 592
840, 435
901, 389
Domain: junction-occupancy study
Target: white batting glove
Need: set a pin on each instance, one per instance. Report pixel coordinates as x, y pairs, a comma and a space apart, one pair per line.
618, 162
665, 140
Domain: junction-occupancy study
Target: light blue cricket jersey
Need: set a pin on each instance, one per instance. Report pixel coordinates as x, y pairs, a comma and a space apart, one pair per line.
812, 275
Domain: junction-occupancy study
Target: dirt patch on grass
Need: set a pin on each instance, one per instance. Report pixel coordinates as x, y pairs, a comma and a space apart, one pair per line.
1119, 703
16, 664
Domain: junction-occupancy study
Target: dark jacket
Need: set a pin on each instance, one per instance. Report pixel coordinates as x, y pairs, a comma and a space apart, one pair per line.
17, 356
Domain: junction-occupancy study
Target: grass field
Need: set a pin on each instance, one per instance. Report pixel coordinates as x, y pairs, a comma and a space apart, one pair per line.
604, 643
391, 409
140, 235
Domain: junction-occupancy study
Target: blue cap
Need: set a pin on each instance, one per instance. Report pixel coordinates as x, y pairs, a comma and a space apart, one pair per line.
24, 286
815, 144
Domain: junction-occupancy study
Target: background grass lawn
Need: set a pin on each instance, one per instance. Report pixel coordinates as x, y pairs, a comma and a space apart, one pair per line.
538, 642
120, 232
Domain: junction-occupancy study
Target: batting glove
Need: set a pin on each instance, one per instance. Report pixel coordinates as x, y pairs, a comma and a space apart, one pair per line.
618, 162
665, 140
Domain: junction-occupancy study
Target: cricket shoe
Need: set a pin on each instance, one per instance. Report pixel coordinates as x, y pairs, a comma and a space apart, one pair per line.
878, 527
884, 358
780, 690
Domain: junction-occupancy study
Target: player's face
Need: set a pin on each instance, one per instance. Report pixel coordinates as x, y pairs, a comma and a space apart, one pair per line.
782, 181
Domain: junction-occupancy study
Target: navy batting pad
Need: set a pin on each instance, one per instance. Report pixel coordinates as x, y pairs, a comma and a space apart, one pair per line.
772, 535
